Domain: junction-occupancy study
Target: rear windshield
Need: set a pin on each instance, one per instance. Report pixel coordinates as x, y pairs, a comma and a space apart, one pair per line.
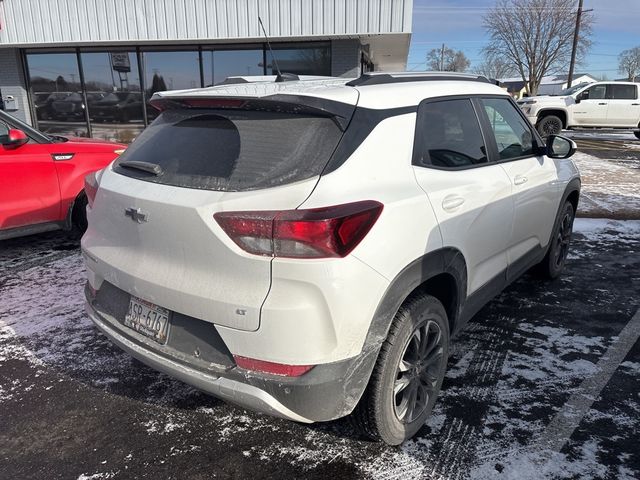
232, 150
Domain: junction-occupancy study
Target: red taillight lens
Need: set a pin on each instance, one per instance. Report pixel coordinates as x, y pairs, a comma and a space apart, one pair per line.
314, 233
91, 187
271, 367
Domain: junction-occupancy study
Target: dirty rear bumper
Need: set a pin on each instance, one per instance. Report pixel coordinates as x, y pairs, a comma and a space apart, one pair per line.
327, 392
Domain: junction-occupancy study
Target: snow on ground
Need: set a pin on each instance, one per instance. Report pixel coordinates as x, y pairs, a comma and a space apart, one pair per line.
509, 373
610, 188
627, 136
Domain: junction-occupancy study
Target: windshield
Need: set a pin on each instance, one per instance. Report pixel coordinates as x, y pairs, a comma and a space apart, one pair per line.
233, 150
571, 90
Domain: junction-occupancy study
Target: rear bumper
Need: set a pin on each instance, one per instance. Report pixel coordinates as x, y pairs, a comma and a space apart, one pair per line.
325, 393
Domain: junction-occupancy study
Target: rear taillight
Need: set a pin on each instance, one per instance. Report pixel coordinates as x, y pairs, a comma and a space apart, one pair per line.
314, 233
271, 367
91, 187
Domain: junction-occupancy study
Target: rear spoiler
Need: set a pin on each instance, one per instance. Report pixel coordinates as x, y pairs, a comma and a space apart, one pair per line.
298, 104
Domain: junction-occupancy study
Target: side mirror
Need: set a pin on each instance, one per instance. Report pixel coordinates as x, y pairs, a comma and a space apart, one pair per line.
560, 147
14, 139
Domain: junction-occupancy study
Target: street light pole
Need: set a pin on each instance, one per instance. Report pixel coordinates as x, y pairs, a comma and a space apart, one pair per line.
576, 33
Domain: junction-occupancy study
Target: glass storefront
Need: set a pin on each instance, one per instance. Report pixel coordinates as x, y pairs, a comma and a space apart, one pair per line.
169, 70
105, 93
114, 98
220, 64
56, 91
301, 60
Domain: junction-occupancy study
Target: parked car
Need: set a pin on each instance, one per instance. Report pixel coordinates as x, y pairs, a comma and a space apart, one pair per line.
308, 248
595, 105
119, 106
43, 103
42, 178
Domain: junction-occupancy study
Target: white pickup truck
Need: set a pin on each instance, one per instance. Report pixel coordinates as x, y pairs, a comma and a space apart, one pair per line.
587, 105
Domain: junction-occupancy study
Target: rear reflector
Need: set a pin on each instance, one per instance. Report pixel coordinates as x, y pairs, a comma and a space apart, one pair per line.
270, 367
315, 233
91, 187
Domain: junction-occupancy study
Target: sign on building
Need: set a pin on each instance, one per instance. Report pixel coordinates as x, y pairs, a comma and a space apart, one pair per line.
120, 61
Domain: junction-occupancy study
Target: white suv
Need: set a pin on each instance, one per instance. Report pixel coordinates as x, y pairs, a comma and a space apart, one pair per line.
308, 248
595, 105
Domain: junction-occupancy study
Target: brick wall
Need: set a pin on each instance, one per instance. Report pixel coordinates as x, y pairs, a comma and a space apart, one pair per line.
345, 58
12, 82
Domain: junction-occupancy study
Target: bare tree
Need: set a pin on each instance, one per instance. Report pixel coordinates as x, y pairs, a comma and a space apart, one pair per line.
536, 35
629, 63
496, 67
447, 60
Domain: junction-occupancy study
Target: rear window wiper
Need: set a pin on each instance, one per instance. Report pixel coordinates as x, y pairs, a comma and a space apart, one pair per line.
152, 168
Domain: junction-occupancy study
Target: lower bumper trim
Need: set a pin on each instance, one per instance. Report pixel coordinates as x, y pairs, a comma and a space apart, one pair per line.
239, 393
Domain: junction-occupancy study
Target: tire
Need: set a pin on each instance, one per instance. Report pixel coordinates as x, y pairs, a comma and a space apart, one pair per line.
637, 134
79, 214
383, 415
549, 125
553, 263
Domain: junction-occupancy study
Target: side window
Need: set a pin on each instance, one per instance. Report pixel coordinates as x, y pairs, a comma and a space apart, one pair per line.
448, 135
622, 92
512, 132
597, 92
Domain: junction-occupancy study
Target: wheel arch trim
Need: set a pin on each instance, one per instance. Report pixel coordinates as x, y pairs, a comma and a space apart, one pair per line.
446, 260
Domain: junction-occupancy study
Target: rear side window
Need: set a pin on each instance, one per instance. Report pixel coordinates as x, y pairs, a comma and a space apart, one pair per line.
622, 92
512, 132
448, 135
232, 150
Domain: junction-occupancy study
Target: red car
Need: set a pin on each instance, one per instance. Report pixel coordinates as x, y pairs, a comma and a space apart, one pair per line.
42, 178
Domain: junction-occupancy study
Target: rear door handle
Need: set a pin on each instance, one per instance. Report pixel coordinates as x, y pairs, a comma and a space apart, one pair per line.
520, 179
635, 104
450, 203
602, 104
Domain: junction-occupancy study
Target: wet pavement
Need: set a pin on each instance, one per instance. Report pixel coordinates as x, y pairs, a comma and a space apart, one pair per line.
534, 388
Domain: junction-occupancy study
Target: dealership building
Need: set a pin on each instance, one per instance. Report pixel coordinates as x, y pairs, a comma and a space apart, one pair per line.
88, 68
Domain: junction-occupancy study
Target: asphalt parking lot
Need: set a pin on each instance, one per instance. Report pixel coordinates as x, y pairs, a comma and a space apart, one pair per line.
544, 383
519, 398
619, 145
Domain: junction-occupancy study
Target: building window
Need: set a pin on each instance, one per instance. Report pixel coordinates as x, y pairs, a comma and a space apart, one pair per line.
169, 70
98, 92
56, 92
217, 65
114, 96
314, 59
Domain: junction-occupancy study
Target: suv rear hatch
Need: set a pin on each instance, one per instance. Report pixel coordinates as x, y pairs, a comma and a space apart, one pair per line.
151, 227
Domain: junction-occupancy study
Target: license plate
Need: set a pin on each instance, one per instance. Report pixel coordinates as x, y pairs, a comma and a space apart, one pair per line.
148, 319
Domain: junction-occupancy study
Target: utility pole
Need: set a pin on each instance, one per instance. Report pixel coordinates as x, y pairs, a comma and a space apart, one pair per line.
442, 57
576, 34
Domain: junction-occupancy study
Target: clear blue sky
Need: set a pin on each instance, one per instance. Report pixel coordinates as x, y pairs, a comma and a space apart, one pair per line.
458, 23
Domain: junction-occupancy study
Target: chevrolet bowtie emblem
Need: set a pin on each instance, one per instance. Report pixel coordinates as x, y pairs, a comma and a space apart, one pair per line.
135, 214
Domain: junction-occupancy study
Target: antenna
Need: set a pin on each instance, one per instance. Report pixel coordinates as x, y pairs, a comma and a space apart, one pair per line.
279, 77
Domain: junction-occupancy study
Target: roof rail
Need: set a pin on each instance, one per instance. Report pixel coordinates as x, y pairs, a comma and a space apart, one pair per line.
385, 78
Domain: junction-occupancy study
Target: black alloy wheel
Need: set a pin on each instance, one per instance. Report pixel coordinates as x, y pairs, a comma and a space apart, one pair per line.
549, 125
417, 372
408, 374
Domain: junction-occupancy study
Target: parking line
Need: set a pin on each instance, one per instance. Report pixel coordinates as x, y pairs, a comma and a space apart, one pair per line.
569, 417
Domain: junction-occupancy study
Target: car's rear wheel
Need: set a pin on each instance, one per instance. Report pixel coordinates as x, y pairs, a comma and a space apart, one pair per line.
79, 213
637, 134
549, 125
408, 374
556, 257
